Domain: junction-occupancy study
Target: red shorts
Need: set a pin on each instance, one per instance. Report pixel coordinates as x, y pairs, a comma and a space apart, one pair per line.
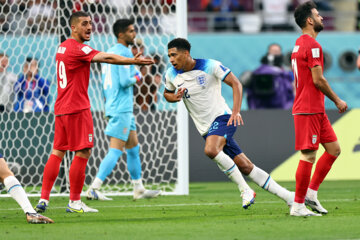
74, 131
312, 129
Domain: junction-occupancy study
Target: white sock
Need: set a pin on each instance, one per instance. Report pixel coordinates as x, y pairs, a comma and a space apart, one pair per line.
44, 200
96, 183
138, 184
17, 192
263, 179
312, 194
298, 205
74, 202
227, 165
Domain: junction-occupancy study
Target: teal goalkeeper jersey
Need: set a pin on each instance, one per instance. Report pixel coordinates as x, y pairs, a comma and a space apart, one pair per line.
117, 82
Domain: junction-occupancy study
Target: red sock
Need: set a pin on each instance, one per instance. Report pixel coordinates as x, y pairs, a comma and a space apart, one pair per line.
303, 174
323, 166
51, 172
77, 177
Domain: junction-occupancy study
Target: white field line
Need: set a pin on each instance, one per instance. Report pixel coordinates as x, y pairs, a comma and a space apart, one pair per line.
184, 204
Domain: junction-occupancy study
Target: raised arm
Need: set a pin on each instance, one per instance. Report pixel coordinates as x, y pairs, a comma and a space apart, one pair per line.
104, 57
323, 85
233, 82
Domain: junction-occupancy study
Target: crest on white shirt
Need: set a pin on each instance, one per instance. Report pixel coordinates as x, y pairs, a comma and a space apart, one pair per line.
201, 80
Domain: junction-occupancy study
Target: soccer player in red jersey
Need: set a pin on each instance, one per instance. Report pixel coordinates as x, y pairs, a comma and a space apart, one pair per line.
312, 125
73, 121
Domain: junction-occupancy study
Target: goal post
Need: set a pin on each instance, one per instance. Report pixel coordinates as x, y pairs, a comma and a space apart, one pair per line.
26, 136
182, 116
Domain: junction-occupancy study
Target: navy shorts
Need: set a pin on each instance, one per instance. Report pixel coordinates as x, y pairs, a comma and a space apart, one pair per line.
219, 127
1, 156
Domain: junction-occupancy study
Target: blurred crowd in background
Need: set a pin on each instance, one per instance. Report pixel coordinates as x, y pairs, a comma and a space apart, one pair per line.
27, 91
32, 16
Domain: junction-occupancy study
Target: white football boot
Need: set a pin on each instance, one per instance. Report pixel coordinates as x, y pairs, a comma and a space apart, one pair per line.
300, 210
93, 194
79, 207
248, 197
144, 193
315, 205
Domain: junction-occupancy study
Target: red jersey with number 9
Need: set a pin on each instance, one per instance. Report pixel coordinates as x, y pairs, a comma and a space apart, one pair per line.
73, 72
307, 54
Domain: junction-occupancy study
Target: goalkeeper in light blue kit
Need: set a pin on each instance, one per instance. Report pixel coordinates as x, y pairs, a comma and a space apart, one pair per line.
118, 81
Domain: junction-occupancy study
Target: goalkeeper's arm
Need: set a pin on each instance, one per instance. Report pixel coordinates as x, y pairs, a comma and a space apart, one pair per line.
104, 57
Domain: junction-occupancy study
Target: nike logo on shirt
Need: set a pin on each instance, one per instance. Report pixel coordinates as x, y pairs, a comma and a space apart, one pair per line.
179, 85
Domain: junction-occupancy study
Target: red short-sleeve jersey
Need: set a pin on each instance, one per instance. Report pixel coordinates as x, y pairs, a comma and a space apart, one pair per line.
73, 72
307, 54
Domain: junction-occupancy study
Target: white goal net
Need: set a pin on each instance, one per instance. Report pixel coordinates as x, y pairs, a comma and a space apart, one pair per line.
30, 34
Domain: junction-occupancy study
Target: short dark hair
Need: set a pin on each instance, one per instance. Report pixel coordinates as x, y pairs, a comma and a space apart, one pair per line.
302, 12
121, 25
29, 59
76, 15
180, 44
2, 54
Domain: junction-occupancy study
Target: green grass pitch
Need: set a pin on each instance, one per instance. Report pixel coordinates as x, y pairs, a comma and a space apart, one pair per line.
211, 211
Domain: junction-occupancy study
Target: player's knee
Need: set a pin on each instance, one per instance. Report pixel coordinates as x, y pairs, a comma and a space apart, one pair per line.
59, 153
333, 148
245, 167
211, 151
336, 151
130, 145
244, 164
4, 170
84, 153
6, 174
308, 156
88, 153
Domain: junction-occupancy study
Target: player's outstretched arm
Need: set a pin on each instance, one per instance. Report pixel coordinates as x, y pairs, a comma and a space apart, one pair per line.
104, 57
233, 82
322, 84
174, 97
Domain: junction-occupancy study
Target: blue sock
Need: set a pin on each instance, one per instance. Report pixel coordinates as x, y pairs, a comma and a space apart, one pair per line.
108, 163
133, 162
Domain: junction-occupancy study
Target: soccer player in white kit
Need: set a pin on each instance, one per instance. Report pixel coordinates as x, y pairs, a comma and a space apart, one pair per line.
18, 193
198, 83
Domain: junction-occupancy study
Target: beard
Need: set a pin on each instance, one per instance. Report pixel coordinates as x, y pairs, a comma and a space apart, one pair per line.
130, 42
318, 27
